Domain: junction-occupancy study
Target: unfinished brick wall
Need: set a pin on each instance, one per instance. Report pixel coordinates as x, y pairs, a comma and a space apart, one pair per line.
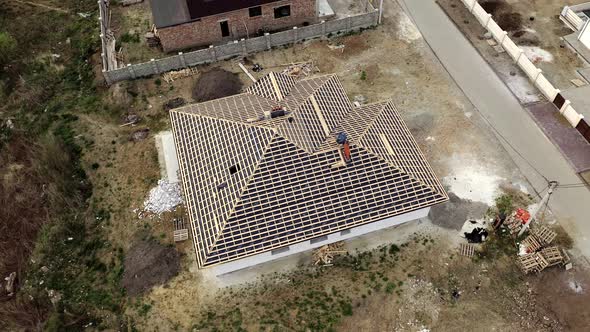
207, 31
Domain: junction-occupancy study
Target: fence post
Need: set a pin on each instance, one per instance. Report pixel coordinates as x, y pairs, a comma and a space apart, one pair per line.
348, 23
131, 71
244, 47
539, 71
520, 52
488, 21
323, 24
267, 37
295, 35
504, 34
212, 52
155, 66
182, 59
565, 105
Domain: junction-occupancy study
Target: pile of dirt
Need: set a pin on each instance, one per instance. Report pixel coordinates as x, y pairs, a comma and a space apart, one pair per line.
216, 83
503, 14
147, 264
453, 214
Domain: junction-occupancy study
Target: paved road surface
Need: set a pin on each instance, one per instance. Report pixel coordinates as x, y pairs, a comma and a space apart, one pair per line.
497, 104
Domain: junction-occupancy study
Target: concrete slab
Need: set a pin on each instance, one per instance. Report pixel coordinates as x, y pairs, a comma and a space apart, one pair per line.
585, 73
572, 145
325, 11
167, 156
580, 98
572, 42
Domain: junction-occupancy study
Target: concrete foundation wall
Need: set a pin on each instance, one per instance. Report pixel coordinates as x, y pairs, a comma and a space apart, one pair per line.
307, 245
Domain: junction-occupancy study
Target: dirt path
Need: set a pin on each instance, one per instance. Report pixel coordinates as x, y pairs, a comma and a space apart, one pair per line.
43, 6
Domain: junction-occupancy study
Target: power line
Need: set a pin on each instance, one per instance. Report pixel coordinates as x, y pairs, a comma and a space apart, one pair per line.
511, 146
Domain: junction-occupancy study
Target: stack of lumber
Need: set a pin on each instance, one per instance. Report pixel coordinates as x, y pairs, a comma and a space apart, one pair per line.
171, 76
300, 69
539, 256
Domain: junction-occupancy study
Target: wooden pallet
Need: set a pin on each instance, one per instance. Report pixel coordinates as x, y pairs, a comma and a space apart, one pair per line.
531, 243
513, 224
544, 234
467, 249
534, 262
180, 230
553, 255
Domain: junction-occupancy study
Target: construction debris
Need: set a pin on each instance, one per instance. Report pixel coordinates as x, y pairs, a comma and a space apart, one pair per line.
243, 68
173, 75
578, 82
174, 103
467, 250
475, 230
164, 197
139, 135
325, 254
300, 68
10, 283
152, 39
130, 119
515, 221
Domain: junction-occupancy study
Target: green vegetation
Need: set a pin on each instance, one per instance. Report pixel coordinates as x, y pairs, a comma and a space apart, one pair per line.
69, 275
363, 75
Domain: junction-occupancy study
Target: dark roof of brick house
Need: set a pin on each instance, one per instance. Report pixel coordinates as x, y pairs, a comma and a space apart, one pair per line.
173, 12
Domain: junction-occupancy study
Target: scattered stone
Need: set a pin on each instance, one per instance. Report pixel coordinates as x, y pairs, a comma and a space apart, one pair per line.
10, 283
139, 135
360, 99
131, 119
174, 103
54, 296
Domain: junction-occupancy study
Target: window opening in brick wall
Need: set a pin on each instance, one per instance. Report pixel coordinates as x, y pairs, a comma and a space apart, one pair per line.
283, 11
224, 28
255, 11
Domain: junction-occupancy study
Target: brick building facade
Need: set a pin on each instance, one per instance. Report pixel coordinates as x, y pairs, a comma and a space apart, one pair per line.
184, 24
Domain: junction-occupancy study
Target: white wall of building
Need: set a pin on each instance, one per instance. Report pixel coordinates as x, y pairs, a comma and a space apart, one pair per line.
307, 245
584, 35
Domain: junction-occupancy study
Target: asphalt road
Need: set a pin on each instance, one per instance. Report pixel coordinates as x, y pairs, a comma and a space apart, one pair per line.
514, 126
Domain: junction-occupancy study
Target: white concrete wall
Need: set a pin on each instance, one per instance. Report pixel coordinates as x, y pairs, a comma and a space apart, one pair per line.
584, 36
306, 245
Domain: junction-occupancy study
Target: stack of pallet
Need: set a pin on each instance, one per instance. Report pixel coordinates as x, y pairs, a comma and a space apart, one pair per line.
325, 254
539, 256
180, 230
515, 221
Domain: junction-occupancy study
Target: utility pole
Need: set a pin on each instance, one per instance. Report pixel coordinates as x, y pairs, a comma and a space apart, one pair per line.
552, 185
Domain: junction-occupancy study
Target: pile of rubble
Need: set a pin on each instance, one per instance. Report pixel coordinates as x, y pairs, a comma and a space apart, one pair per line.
325, 255
300, 68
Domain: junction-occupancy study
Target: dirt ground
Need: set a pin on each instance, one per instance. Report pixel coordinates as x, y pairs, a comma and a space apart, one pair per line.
533, 25
216, 83
149, 263
421, 284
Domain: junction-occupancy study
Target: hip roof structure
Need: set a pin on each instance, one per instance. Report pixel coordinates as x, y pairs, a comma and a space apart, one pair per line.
267, 168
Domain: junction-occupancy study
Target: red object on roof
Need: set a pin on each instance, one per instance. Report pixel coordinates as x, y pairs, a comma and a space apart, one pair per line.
523, 215
346, 148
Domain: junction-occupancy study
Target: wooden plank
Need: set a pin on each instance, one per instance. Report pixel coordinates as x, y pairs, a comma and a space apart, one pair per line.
467, 249
247, 72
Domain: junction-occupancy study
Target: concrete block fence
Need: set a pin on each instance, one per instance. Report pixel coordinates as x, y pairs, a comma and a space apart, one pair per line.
240, 47
535, 74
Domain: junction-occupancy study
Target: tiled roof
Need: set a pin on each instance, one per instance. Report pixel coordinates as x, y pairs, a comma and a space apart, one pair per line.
254, 183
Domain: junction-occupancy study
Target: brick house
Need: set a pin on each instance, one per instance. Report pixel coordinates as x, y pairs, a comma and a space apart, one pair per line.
182, 24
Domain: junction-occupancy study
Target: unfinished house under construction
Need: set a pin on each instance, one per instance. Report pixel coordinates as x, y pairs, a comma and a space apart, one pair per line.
291, 165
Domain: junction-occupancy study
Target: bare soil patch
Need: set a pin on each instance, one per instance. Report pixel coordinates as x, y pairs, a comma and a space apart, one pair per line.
216, 83
149, 263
